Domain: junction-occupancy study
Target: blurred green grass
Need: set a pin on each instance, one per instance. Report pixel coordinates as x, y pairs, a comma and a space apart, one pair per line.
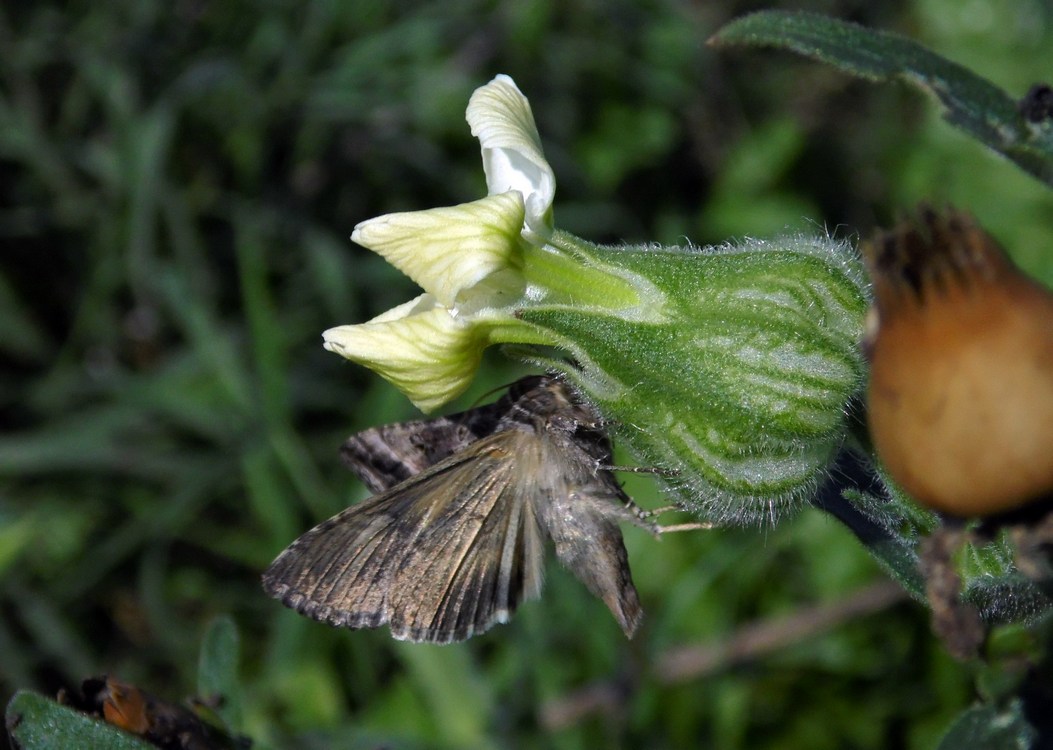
179, 180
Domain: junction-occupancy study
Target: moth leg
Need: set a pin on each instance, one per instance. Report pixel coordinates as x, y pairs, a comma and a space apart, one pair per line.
644, 518
692, 526
656, 470
697, 526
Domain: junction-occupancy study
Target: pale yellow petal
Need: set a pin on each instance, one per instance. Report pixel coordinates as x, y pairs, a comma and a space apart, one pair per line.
448, 250
419, 347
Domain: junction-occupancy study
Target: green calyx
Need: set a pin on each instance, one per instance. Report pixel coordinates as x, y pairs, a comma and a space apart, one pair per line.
740, 378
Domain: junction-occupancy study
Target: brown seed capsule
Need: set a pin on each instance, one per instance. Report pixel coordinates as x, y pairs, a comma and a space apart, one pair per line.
960, 400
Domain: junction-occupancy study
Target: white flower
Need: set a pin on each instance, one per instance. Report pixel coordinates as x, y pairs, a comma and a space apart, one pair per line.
467, 258
500, 118
419, 347
449, 250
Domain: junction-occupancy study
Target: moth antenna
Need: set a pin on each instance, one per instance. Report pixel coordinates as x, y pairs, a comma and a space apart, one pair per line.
486, 395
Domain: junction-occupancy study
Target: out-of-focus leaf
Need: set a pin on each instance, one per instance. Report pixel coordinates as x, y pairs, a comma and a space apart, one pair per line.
56, 636
651, 129
464, 712
987, 728
21, 335
746, 197
971, 102
16, 534
89, 439
38, 723
218, 670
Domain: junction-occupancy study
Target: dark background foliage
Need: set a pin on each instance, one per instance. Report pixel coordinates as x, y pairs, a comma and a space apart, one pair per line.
177, 183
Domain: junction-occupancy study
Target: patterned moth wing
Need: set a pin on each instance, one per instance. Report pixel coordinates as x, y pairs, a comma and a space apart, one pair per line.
455, 546
384, 456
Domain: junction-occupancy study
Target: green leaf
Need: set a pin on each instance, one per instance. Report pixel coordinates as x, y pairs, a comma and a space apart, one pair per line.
987, 728
1007, 598
218, 670
991, 581
885, 536
38, 723
971, 102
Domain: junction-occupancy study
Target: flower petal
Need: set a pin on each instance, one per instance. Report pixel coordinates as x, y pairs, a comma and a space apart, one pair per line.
448, 250
419, 347
500, 118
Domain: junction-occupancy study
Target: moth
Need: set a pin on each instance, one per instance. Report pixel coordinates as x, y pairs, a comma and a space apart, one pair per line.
454, 539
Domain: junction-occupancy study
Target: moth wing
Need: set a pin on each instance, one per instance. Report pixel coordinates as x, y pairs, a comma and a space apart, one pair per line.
339, 571
439, 557
583, 524
385, 456
493, 552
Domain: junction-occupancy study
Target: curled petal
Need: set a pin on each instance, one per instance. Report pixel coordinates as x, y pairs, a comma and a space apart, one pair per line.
500, 118
419, 347
448, 250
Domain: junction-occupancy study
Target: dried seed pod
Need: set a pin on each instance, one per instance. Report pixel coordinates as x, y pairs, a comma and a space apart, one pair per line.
960, 341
